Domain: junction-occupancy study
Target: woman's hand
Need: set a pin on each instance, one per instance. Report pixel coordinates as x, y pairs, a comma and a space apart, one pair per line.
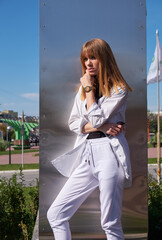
87, 80
111, 128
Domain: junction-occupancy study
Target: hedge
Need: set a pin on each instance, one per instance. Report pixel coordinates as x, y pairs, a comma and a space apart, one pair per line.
18, 208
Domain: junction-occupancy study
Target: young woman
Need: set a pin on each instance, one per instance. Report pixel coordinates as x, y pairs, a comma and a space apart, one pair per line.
100, 157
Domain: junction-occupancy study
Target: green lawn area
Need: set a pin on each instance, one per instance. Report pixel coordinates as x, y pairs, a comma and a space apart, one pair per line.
153, 160
36, 154
18, 166
149, 145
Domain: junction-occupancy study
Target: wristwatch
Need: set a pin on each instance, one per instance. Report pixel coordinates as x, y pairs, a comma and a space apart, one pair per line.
88, 89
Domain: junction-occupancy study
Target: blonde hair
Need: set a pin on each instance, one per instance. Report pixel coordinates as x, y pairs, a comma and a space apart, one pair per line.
109, 75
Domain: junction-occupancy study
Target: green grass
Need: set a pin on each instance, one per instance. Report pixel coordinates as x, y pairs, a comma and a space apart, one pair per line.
149, 145
153, 160
18, 151
6, 167
37, 154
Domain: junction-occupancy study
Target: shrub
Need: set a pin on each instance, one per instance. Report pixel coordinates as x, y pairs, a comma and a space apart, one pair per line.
19, 147
4, 145
155, 210
18, 209
153, 140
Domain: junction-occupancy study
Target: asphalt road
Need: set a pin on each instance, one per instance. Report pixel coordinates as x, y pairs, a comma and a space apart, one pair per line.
152, 169
31, 176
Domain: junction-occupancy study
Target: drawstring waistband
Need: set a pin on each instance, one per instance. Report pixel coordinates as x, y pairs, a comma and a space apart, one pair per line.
89, 155
88, 148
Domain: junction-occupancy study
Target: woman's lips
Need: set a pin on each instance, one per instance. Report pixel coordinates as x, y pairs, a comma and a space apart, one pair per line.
91, 69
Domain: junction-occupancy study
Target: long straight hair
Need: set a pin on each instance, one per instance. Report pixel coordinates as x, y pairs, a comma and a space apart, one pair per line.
109, 76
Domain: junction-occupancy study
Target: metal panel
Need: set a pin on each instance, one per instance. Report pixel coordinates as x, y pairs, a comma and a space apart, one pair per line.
64, 27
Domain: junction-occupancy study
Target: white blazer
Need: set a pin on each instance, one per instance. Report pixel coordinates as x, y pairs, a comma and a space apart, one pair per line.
107, 110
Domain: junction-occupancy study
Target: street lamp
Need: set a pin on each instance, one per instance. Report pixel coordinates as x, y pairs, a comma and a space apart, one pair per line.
9, 139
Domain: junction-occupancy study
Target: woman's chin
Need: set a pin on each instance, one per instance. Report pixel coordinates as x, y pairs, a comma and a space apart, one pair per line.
92, 74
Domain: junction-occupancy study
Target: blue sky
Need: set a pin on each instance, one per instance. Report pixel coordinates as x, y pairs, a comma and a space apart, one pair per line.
154, 21
19, 54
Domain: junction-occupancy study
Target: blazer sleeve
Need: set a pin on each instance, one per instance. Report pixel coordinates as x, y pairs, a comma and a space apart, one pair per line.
77, 120
98, 114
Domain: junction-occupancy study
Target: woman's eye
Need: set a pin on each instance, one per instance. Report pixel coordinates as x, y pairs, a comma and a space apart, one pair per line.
85, 59
92, 57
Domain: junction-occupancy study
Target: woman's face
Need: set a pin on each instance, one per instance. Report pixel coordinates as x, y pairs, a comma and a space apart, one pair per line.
92, 65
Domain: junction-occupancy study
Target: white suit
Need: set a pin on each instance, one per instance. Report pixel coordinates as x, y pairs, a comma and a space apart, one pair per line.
102, 162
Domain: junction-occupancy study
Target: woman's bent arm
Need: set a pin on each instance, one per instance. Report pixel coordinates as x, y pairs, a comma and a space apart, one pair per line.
97, 114
108, 128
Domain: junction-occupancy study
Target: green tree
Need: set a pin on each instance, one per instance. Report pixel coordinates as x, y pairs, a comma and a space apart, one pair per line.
155, 210
153, 124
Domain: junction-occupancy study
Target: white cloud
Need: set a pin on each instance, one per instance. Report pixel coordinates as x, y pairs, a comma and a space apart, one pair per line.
30, 96
10, 104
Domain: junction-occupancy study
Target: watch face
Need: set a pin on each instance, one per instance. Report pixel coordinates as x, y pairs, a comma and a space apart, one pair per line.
88, 88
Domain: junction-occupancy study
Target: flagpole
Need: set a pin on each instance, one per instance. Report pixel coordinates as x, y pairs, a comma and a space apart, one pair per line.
158, 118
22, 137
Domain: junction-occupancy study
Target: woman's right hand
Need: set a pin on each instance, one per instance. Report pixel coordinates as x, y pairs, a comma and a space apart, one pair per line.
111, 128
87, 80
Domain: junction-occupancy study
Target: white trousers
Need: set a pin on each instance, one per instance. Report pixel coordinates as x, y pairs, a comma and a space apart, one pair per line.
99, 167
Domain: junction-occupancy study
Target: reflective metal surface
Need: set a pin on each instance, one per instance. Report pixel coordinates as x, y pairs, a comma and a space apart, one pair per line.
64, 27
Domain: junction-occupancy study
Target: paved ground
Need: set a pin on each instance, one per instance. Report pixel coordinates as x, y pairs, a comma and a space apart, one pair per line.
17, 158
152, 152
152, 169
30, 158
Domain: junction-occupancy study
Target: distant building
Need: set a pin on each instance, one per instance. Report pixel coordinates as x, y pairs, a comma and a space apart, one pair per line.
9, 114
31, 119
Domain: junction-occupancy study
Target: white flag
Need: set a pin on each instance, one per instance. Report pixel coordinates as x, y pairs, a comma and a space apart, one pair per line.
152, 74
